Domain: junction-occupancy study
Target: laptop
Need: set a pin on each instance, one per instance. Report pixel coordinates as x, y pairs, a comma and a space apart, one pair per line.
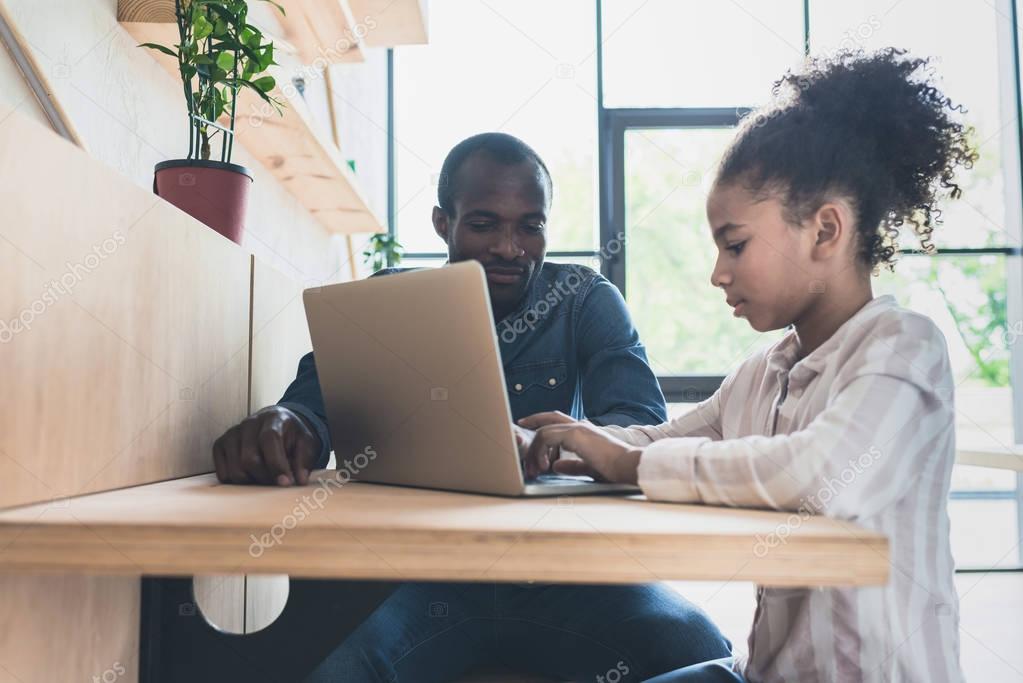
413, 384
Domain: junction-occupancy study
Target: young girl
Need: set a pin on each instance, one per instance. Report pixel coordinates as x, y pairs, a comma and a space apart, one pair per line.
850, 415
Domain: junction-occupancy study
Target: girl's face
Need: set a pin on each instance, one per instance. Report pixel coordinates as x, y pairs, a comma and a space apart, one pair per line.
765, 265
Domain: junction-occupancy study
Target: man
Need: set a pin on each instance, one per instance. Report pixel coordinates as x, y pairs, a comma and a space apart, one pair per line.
567, 343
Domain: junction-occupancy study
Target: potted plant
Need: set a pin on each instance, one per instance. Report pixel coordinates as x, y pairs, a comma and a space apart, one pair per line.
383, 250
219, 53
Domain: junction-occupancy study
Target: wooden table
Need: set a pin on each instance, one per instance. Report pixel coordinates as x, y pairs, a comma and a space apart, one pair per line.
348, 546
363, 531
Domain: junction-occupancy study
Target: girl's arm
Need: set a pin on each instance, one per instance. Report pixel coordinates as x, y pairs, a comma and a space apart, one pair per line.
862, 453
703, 420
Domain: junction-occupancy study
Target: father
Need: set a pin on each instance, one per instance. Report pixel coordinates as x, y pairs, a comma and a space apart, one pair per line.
567, 343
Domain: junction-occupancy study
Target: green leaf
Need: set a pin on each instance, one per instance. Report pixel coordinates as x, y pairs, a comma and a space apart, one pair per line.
225, 60
220, 28
161, 48
231, 17
266, 57
202, 27
265, 84
202, 59
219, 102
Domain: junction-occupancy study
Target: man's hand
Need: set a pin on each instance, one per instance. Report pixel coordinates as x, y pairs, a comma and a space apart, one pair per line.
272, 446
601, 456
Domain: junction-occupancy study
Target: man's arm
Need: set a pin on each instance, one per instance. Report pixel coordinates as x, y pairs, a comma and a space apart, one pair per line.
303, 397
280, 443
618, 386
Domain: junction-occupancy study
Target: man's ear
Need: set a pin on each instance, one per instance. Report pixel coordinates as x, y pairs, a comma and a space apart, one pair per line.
441, 224
832, 222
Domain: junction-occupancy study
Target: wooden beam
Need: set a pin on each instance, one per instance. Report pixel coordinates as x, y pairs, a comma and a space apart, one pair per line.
389, 23
321, 31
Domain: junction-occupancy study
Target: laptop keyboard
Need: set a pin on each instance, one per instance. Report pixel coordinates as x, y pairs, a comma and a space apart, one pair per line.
560, 479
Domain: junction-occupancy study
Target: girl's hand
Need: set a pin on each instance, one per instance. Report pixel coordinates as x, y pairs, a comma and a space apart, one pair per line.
602, 456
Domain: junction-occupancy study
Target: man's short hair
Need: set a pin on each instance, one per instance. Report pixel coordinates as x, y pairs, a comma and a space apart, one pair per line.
501, 147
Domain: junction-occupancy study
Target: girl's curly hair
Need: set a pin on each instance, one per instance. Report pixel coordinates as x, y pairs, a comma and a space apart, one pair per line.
872, 129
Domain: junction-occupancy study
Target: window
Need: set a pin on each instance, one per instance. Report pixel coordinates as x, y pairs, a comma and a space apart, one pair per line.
499, 66
631, 103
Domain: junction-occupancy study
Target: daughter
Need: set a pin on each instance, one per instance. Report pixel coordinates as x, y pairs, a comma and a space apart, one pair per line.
807, 204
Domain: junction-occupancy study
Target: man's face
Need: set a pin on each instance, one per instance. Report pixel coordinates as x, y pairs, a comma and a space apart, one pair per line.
500, 220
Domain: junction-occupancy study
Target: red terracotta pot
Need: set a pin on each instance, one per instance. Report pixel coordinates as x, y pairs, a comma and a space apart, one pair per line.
213, 192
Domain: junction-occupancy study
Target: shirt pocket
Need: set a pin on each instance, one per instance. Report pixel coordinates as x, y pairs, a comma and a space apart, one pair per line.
536, 379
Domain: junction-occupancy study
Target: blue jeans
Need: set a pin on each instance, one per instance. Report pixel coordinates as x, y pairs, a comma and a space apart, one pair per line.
718, 671
604, 634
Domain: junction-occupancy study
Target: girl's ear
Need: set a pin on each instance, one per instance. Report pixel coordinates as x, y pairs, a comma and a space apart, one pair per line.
832, 222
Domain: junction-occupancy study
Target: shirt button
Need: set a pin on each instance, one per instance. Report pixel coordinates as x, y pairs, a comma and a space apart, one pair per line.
518, 387
552, 381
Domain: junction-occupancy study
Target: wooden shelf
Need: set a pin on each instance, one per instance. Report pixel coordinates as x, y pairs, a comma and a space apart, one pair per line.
365, 531
395, 22
333, 30
299, 156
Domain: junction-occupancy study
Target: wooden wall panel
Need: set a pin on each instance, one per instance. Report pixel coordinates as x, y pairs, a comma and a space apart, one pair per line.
69, 628
280, 334
123, 326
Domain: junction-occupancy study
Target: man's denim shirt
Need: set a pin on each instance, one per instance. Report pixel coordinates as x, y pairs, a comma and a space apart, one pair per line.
570, 346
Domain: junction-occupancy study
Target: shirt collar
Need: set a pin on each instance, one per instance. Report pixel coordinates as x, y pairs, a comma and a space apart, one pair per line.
783, 355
